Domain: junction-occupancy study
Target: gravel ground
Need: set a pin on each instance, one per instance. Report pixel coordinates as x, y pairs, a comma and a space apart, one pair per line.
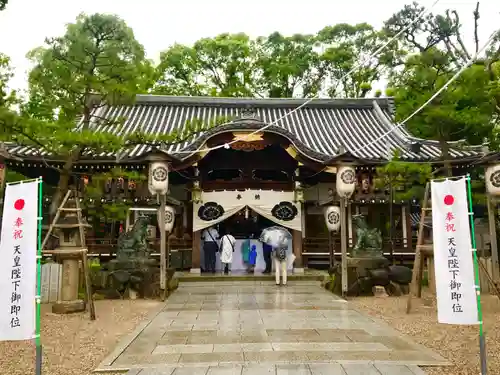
459, 344
72, 344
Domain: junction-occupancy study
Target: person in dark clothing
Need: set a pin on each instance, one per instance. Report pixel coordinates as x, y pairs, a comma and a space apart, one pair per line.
266, 251
210, 248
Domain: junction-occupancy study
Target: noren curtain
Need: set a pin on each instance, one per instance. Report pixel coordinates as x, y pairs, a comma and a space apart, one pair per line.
277, 206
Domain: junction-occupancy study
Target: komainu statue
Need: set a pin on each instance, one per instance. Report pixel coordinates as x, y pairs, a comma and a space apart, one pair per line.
369, 240
133, 244
133, 269
367, 267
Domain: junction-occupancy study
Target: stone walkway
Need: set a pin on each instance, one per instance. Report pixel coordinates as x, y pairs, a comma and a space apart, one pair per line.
253, 328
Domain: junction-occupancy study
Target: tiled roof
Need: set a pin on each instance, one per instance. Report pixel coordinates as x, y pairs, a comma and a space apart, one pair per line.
321, 130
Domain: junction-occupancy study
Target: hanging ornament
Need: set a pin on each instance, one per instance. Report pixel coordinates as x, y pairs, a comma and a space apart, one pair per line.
132, 185
346, 181
332, 218
365, 183
158, 178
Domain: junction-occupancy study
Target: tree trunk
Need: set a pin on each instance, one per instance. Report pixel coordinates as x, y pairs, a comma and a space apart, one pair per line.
64, 177
445, 155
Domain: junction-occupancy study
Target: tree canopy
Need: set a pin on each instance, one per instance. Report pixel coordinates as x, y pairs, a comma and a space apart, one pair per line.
98, 61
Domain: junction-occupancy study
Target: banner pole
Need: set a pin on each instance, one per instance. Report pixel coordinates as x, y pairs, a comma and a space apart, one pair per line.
482, 341
38, 343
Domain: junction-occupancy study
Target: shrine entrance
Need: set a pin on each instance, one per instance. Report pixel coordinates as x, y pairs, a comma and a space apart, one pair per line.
243, 190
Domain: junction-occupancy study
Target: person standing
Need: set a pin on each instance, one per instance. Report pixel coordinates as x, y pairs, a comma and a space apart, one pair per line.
227, 243
280, 264
266, 252
210, 248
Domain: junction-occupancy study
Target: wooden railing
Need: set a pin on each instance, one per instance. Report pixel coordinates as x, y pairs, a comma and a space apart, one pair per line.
319, 247
106, 247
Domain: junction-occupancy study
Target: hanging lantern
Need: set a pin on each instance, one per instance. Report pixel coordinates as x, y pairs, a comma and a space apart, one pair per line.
332, 218
196, 192
365, 183
346, 181
169, 219
132, 185
492, 179
85, 180
158, 178
298, 192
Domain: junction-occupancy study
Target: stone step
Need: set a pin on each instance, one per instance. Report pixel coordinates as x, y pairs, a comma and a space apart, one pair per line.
187, 277
284, 369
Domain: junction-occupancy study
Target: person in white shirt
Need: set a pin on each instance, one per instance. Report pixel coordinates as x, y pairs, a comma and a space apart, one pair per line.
210, 248
227, 243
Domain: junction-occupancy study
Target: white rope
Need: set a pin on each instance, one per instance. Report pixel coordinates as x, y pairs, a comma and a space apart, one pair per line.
445, 86
355, 68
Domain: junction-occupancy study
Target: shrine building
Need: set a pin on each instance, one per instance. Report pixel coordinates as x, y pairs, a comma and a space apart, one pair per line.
283, 175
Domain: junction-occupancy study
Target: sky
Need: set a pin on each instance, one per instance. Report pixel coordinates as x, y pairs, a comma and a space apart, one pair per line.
157, 24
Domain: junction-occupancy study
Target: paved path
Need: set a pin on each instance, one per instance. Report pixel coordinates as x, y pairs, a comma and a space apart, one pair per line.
254, 328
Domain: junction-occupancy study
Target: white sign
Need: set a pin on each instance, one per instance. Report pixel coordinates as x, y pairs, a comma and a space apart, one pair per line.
18, 250
454, 269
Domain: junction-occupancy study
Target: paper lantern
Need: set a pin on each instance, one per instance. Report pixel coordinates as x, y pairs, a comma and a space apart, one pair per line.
158, 178
492, 179
332, 218
346, 181
169, 219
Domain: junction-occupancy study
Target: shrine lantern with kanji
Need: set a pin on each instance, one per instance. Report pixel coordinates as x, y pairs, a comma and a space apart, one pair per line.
169, 219
346, 181
492, 179
158, 178
332, 218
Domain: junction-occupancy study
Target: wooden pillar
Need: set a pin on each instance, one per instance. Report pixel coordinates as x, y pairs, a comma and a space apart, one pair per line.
343, 241
404, 226
349, 223
297, 251
3, 173
493, 237
195, 253
163, 243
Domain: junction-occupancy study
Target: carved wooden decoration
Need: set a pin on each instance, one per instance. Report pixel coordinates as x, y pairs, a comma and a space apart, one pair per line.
248, 146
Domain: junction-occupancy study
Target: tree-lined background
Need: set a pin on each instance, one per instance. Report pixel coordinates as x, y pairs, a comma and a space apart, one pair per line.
98, 60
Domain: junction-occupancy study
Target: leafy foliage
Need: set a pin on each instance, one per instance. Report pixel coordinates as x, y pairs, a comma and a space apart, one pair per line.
407, 179
97, 207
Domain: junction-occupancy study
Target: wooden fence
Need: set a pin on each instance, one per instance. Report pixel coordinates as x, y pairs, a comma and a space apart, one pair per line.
51, 282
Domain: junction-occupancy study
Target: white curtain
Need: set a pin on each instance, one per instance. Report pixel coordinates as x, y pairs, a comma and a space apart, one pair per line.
261, 201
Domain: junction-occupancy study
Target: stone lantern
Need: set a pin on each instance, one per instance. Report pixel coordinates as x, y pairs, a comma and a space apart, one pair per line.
69, 253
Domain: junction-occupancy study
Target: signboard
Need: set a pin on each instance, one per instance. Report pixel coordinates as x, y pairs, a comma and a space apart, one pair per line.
453, 258
18, 261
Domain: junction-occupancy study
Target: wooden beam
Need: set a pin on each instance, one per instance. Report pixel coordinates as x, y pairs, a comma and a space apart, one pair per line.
493, 237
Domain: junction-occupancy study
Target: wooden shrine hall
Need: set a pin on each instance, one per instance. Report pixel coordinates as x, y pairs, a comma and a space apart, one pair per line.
284, 175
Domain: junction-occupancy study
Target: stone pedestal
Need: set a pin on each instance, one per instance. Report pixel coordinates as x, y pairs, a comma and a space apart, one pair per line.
359, 280
69, 302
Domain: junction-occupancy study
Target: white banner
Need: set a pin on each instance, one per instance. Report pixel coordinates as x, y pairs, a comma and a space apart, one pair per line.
276, 206
18, 250
454, 268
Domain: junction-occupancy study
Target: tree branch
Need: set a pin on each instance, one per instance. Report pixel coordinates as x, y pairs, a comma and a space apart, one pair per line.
476, 26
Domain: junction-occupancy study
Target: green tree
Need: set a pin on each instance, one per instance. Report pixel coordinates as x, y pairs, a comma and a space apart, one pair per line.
220, 66
96, 62
3, 4
464, 111
287, 66
345, 46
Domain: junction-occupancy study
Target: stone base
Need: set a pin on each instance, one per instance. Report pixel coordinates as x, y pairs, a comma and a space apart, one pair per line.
298, 271
68, 307
196, 271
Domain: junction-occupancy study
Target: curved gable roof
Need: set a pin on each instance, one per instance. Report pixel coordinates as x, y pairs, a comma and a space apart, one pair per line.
321, 130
